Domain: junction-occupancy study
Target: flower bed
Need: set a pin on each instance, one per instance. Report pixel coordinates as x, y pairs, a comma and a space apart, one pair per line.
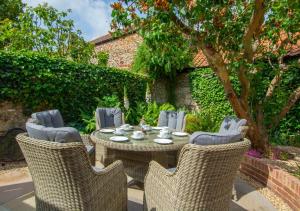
276, 179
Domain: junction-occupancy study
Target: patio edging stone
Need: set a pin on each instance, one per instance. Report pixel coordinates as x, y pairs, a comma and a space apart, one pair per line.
277, 180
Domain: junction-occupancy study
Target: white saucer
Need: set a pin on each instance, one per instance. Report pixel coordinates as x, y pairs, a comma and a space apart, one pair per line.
163, 141
180, 134
107, 130
157, 128
137, 138
118, 138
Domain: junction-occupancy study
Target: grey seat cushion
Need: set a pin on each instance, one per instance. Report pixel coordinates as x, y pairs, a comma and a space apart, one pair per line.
172, 119
50, 118
231, 124
205, 138
109, 117
61, 135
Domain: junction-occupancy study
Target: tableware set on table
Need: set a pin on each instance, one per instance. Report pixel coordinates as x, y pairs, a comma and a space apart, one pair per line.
164, 134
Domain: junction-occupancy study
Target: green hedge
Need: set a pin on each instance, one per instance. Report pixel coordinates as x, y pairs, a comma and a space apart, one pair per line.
39, 82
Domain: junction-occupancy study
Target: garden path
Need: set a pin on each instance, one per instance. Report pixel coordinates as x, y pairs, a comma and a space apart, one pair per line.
16, 193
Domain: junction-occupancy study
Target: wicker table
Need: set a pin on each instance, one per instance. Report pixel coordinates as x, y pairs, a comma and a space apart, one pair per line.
136, 154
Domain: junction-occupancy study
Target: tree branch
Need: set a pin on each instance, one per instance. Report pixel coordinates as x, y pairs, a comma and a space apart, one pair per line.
216, 61
184, 28
245, 84
294, 97
277, 78
253, 29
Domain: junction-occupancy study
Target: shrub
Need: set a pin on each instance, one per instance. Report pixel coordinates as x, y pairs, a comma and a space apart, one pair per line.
200, 121
102, 58
39, 83
148, 112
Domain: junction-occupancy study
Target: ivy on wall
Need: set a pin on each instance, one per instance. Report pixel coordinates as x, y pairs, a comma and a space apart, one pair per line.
39, 82
209, 95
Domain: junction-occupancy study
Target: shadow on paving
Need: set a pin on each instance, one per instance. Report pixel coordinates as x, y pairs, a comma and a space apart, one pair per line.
13, 199
13, 191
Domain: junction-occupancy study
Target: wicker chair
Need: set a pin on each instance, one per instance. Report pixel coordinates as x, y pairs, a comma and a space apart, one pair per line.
202, 180
65, 180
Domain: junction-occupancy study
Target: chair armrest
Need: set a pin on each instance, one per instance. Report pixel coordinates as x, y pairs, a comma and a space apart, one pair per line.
86, 139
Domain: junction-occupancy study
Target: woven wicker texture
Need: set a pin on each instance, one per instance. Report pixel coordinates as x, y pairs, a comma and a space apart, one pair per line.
65, 180
202, 181
86, 139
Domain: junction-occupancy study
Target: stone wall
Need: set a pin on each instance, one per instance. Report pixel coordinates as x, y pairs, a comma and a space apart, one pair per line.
121, 51
121, 55
182, 91
11, 116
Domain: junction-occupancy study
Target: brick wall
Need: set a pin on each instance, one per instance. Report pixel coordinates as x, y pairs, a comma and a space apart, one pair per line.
278, 181
121, 51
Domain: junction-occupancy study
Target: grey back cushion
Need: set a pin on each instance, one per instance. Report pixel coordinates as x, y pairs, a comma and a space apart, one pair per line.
61, 135
50, 118
171, 119
206, 138
231, 124
109, 117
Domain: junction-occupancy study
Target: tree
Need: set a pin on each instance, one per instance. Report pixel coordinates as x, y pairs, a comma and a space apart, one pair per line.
45, 29
237, 37
10, 9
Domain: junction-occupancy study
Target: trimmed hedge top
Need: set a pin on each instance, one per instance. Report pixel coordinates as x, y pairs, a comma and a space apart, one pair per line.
39, 82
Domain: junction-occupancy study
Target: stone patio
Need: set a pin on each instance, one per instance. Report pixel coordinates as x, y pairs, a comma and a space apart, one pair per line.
16, 193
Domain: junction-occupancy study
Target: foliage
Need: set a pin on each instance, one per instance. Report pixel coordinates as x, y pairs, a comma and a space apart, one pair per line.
209, 94
89, 123
199, 121
235, 37
10, 9
163, 52
152, 113
149, 112
109, 101
102, 58
134, 114
39, 83
46, 30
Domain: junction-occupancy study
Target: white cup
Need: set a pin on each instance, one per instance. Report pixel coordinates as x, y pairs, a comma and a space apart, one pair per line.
147, 127
166, 130
138, 134
125, 126
119, 131
164, 133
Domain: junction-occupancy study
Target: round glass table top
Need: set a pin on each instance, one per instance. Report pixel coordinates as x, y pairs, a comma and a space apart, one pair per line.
146, 144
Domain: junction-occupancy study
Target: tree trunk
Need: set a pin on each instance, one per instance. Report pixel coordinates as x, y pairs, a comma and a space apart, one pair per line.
257, 134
